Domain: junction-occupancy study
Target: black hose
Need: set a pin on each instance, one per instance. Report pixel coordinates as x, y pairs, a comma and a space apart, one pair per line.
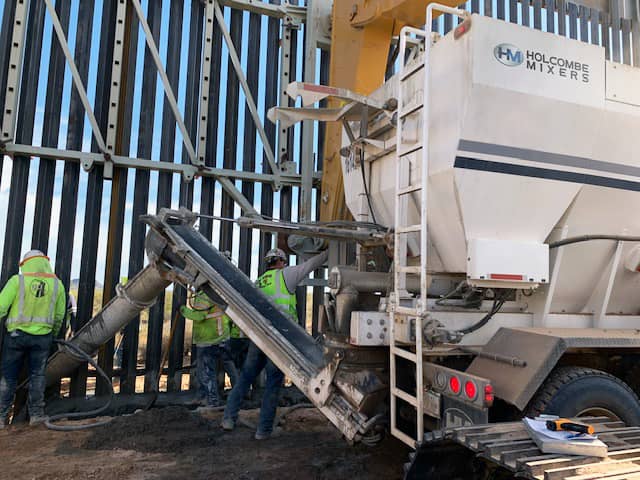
72, 428
292, 409
497, 305
588, 238
349, 224
459, 287
366, 188
369, 437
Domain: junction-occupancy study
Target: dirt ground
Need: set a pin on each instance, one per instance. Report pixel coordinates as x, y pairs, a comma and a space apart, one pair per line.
175, 443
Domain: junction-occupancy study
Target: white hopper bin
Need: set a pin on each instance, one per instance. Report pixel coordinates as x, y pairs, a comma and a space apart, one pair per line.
531, 138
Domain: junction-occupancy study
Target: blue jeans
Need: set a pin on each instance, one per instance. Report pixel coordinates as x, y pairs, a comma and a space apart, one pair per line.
253, 365
239, 348
207, 371
19, 346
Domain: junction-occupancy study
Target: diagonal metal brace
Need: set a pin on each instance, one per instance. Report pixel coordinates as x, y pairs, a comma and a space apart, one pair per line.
238, 197
171, 98
235, 60
77, 81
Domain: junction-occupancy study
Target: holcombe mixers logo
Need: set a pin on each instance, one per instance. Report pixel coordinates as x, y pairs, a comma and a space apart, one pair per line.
511, 56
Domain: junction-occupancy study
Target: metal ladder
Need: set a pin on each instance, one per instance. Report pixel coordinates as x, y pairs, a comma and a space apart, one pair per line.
402, 230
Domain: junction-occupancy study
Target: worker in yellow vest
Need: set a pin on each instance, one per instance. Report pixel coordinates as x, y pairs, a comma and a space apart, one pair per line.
279, 282
211, 333
238, 345
36, 303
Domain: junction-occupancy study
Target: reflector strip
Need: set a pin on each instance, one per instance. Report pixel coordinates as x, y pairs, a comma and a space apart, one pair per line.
505, 276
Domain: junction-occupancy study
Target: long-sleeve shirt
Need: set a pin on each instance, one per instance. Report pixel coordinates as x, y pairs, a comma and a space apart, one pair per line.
210, 326
295, 274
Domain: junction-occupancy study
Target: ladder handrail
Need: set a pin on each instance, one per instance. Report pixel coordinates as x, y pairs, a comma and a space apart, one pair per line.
401, 231
400, 260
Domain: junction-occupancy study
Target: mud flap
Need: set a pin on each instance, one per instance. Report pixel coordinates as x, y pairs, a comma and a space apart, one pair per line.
443, 460
456, 413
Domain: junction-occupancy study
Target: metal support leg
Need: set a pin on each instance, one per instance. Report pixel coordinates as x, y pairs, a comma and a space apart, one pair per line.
15, 69
205, 80
285, 79
602, 311
114, 103
306, 159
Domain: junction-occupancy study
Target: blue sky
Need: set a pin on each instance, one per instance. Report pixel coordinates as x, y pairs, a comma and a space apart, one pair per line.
157, 120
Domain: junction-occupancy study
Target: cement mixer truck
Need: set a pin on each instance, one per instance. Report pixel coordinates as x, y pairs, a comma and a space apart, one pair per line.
500, 161
492, 266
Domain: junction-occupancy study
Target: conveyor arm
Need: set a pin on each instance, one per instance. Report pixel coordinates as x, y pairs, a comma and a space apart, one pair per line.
194, 261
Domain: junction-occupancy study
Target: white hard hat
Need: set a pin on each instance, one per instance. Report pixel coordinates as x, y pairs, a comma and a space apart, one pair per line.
31, 254
275, 254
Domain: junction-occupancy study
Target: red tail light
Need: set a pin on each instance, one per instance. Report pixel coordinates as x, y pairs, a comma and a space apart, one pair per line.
470, 390
454, 385
488, 395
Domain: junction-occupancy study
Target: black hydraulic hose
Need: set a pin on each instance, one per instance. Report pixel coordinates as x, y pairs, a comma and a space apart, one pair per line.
497, 305
292, 409
72, 428
588, 238
441, 300
349, 224
366, 188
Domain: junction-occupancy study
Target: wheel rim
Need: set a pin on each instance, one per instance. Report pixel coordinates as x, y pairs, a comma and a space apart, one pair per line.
598, 412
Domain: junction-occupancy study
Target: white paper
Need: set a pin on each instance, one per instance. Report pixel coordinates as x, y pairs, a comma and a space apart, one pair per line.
540, 428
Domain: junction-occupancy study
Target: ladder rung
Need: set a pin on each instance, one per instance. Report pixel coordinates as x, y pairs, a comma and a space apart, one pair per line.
409, 189
399, 434
412, 269
410, 399
409, 110
409, 229
412, 357
409, 150
406, 311
410, 71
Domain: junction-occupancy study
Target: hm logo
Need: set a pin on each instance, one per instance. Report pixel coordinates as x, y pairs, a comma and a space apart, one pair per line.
38, 288
508, 54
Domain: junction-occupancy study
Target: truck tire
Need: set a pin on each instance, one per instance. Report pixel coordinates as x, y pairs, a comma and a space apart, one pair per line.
578, 391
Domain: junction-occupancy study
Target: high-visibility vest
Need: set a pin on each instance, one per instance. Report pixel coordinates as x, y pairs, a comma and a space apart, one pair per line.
236, 332
272, 284
211, 325
222, 321
36, 300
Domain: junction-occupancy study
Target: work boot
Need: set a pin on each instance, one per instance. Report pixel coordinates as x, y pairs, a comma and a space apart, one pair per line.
209, 409
37, 420
228, 425
267, 435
